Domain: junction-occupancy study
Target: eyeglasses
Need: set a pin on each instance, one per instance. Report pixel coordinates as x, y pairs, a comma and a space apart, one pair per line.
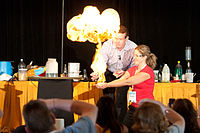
138, 55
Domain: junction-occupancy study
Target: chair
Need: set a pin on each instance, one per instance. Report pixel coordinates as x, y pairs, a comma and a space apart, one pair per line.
57, 88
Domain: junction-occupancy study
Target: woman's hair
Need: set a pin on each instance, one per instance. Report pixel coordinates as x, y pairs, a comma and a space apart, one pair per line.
145, 51
149, 118
185, 108
107, 116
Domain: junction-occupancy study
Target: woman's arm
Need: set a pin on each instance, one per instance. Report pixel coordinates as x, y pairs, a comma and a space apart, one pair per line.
126, 80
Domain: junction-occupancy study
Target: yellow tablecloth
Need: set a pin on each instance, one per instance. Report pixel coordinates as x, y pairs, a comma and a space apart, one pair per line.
14, 95
164, 91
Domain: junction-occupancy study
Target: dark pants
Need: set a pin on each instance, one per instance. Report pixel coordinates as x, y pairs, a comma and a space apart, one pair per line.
122, 102
121, 97
129, 118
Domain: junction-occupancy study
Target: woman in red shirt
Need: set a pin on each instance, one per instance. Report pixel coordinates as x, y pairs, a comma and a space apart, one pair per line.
140, 77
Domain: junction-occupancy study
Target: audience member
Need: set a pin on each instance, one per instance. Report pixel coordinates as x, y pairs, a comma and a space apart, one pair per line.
39, 119
20, 129
107, 118
198, 117
151, 117
1, 113
185, 108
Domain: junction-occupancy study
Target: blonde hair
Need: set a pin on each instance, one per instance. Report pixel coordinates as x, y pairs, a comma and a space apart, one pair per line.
145, 51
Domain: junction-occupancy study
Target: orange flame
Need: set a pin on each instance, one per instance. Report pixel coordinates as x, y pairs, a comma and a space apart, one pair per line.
93, 27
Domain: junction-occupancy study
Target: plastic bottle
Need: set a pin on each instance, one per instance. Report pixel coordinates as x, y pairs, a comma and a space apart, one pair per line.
85, 77
188, 69
65, 71
160, 73
178, 71
22, 71
165, 74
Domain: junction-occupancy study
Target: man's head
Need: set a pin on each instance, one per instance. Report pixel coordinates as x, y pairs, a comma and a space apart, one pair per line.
120, 39
38, 118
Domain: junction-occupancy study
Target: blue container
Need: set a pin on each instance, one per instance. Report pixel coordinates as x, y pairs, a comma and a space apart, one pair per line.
6, 67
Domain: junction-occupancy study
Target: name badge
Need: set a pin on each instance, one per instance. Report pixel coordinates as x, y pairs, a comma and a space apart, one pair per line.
132, 96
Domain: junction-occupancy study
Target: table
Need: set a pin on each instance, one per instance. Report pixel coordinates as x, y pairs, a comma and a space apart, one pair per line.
164, 91
14, 95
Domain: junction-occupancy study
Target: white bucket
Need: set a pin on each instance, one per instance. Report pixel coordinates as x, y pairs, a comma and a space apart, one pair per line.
189, 77
73, 67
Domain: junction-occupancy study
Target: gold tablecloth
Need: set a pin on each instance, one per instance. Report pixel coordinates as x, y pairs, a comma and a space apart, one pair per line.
14, 95
164, 91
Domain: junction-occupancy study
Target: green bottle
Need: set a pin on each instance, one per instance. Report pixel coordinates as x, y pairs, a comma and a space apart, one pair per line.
178, 71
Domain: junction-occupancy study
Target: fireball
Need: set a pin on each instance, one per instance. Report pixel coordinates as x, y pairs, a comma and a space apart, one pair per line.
96, 28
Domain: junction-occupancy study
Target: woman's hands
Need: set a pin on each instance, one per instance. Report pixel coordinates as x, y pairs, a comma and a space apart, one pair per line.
102, 85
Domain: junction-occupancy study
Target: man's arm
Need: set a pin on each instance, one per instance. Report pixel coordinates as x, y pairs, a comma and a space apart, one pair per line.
78, 107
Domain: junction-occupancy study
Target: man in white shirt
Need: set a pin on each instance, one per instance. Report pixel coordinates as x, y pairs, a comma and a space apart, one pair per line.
118, 55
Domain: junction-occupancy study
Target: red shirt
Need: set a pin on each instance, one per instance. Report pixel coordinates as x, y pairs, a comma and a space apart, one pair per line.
144, 89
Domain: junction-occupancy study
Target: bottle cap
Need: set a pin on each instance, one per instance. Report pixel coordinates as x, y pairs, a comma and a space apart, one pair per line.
178, 61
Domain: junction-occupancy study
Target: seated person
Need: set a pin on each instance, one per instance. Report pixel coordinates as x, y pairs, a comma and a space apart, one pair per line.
39, 119
20, 129
107, 118
185, 108
152, 117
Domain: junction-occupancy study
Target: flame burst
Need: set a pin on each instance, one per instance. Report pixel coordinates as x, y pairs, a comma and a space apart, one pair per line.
96, 28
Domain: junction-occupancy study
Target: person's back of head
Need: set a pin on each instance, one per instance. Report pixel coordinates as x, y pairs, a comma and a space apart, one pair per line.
107, 116
185, 108
149, 118
37, 116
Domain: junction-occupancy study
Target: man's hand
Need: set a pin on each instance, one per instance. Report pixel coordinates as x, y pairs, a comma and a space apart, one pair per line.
102, 85
95, 76
119, 73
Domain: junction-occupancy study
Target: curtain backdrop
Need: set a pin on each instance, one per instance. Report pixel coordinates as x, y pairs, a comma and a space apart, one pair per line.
31, 29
